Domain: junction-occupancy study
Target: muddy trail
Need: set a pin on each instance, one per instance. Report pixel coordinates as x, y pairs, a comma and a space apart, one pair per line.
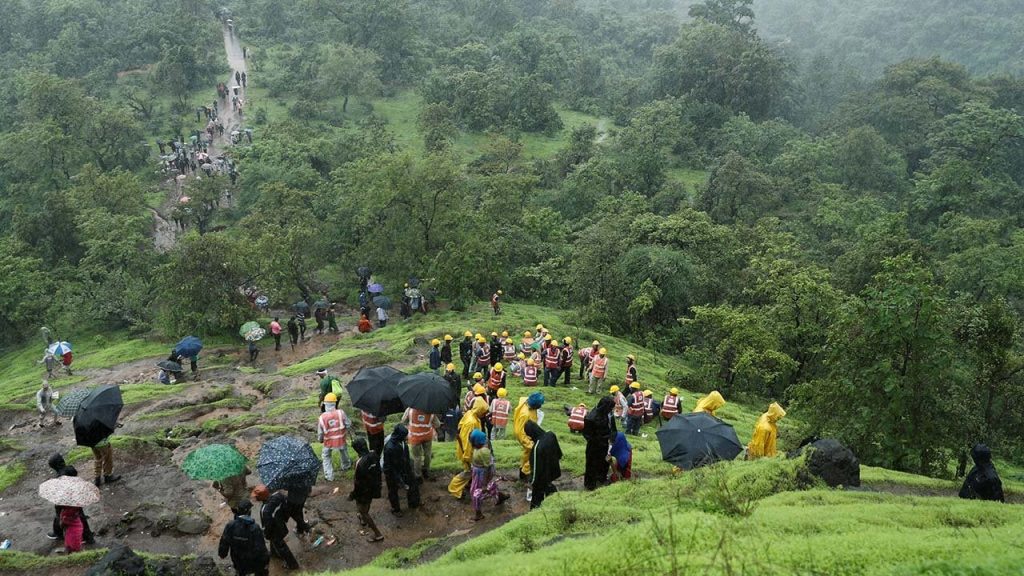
156, 508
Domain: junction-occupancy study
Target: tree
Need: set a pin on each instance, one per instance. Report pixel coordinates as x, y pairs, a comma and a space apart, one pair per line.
734, 14
437, 124
736, 191
348, 71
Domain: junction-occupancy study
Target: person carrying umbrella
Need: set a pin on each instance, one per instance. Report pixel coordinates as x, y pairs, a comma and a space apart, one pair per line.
61, 468
297, 496
332, 319
598, 428
766, 431
254, 351
103, 464
382, 317
471, 420
244, 540
526, 411
545, 465
421, 427
233, 489
710, 403
366, 486
466, 353
44, 404
331, 430
71, 494
398, 471
274, 518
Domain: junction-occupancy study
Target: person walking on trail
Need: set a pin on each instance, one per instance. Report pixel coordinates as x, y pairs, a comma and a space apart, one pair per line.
525, 412
274, 518
495, 302
710, 403
446, 349
233, 489
422, 427
598, 369
331, 430
398, 471
466, 353
293, 332
332, 317
766, 432
366, 486
635, 410
598, 430
103, 465
254, 352
61, 468
44, 404
365, 326
485, 477
568, 355
49, 361
243, 79
501, 408
318, 316
545, 463
300, 319
244, 540
328, 385
374, 427
238, 77
552, 362
297, 508
670, 407
434, 357
275, 331
631, 373
472, 420
382, 317
982, 482
68, 358
71, 524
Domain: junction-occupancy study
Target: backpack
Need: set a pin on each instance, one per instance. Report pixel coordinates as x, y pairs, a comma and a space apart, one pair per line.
336, 387
247, 541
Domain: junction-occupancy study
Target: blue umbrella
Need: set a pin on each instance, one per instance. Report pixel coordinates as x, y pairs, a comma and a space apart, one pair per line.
287, 462
59, 348
375, 288
189, 346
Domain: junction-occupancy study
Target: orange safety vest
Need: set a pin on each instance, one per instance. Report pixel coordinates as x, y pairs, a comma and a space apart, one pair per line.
420, 430
630, 374
496, 379
600, 366
671, 406
567, 356
553, 357
576, 418
373, 424
530, 375
508, 351
333, 425
483, 355
636, 404
648, 407
467, 404
500, 408
619, 400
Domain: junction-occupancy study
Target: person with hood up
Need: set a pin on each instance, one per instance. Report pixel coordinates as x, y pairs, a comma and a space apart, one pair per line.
598, 429
766, 431
710, 403
526, 411
471, 420
982, 482
398, 470
545, 463
244, 540
61, 468
620, 458
366, 486
274, 519
485, 477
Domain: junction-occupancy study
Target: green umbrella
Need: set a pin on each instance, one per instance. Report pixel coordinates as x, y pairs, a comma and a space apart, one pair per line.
214, 462
248, 327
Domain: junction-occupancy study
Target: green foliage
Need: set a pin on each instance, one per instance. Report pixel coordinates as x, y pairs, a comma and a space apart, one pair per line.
10, 474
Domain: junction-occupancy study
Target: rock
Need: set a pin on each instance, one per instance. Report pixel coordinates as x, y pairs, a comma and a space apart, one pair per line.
168, 567
119, 561
834, 463
203, 566
191, 523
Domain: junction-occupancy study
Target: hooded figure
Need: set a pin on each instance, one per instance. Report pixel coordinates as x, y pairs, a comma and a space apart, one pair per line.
366, 485
245, 541
710, 403
762, 444
982, 482
621, 454
598, 428
471, 420
545, 465
398, 470
525, 412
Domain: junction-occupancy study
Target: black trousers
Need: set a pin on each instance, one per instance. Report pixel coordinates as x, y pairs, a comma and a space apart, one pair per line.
279, 549
413, 495
540, 492
568, 372
596, 469
376, 442
297, 512
277, 341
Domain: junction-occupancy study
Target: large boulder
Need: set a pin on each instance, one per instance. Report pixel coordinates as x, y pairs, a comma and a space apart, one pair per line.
829, 460
192, 523
119, 561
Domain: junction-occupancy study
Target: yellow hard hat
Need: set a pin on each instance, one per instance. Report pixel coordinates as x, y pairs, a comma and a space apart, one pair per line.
406, 284
547, 337
502, 392
478, 376
504, 333
648, 393
479, 335
530, 362
481, 339
479, 389
674, 391
449, 367
635, 386
582, 404
596, 343
527, 334
539, 327
567, 340
435, 342
631, 357
467, 334
603, 351
522, 356
448, 338
498, 367
330, 397
509, 341
613, 389
494, 333
500, 292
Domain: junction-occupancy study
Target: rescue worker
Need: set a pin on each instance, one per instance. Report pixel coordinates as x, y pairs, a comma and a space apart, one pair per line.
244, 540
526, 344
476, 390
466, 353
497, 381
651, 407
766, 432
454, 382
552, 362
446, 349
483, 356
374, 426
495, 346
435, 356
421, 426
598, 369
331, 430
710, 403
982, 482
586, 356
525, 412
500, 409
530, 373
635, 410
631, 375
274, 518
577, 416
508, 351
366, 486
620, 404
568, 355
598, 430
495, 304
398, 471
670, 407
471, 420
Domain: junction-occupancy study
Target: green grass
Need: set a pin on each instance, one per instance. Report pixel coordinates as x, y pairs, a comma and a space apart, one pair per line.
10, 474
15, 562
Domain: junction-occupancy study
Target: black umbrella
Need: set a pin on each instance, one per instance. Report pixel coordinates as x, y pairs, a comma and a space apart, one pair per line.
301, 307
382, 302
97, 415
287, 462
426, 391
169, 366
697, 439
374, 390
363, 272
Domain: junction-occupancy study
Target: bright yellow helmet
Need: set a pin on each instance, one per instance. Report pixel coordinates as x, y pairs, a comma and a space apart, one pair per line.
450, 367
530, 362
674, 391
648, 393
478, 376
595, 343
634, 386
331, 397
467, 334
613, 389
539, 327
603, 351
448, 338
479, 336
504, 333
527, 334
522, 356
435, 342
498, 367
479, 390
547, 337
502, 392
567, 340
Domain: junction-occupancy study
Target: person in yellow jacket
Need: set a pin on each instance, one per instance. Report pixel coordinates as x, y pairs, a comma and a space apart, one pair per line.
471, 420
526, 411
710, 403
762, 445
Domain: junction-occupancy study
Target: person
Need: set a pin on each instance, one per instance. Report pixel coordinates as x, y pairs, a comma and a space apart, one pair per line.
398, 471
243, 73
374, 426
494, 346
366, 486
476, 390
50, 363
577, 416
466, 353
434, 358
71, 524
495, 302
254, 351
275, 331
651, 407
598, 369
382, 317
530, 376
670, 407
598, 429
631, 373
67, 358
422, 426
710, 403
244, 540
635, 409
568, 354
103, 466
544, 463
485, 477
274, 519
293, 331
238, 77
497, 381
318, 317
552, 362
483, 355
620, 457
982, 482
446, 349
300, 319
586, 355
297, 497
526, 411
766, 431
44, 403
471, 420
328, 385
621, 404
454, 382
500, 409
364, 324
233, 489
331, 430
61, 468
332, 319
526, 344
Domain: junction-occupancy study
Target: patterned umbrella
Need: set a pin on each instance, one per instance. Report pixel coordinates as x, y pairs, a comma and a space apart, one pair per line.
255, 335
287, 462
68, 405
214, 462
59, 348
248, 327
69, 491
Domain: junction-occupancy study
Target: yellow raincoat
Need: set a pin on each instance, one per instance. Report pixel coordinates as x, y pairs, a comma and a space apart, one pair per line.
471, 420
522, 415
762, 445
710, 403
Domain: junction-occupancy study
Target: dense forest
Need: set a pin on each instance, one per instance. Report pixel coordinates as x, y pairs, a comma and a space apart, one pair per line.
792, 221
